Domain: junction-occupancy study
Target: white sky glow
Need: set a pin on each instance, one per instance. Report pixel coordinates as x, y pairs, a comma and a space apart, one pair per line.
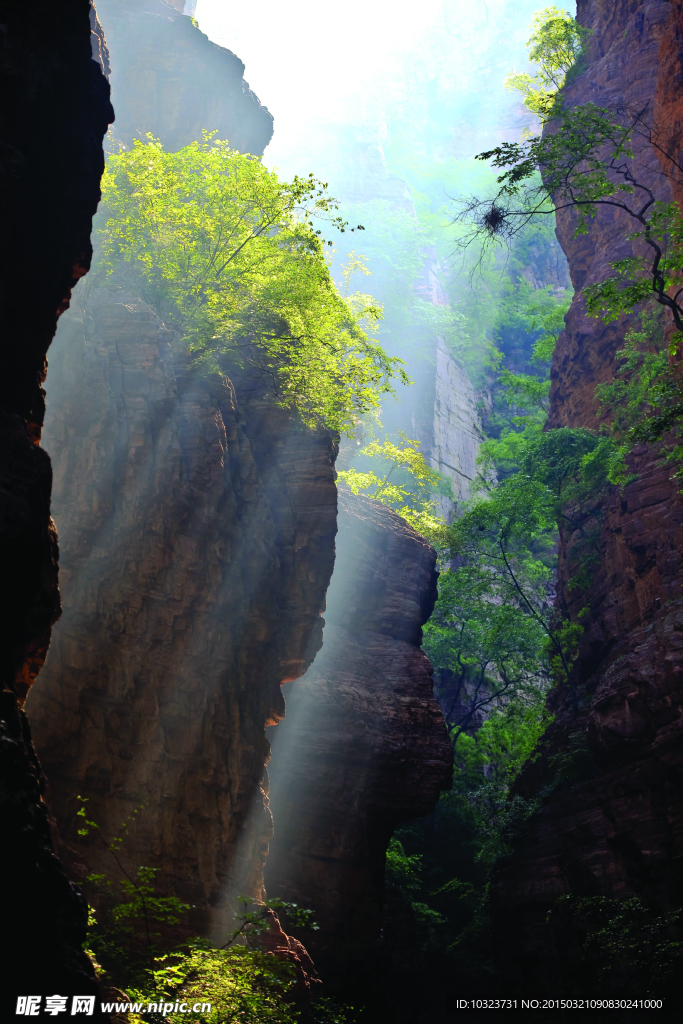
340, 63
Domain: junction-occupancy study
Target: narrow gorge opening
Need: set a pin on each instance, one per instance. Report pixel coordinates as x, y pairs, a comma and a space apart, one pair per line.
361, 700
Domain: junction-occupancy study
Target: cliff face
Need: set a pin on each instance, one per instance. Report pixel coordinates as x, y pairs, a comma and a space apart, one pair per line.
198, 532
54, 111
197, 524
168, 78
612, 823
364, 745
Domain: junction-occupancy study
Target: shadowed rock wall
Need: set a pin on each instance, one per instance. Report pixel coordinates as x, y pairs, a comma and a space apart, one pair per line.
364, 744
614, 826
54, 111
198, 526
198, 539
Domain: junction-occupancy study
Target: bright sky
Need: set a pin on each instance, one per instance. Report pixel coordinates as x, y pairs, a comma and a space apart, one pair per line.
307, 55
336, 63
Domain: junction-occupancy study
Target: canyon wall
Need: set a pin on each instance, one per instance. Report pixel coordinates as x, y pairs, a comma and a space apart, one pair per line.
197, 526
169, 79
363, 746
609, 778
54, 111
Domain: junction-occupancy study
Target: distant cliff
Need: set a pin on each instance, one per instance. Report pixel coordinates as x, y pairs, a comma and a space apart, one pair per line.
169, 79
611, 824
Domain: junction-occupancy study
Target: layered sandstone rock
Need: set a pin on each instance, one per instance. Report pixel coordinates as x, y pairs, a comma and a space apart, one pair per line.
363, 746
197, 527
610, 778
54, 111
169, 79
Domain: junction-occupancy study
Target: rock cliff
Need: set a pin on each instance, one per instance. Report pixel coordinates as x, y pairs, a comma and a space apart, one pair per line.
198, 532
197, 527
169, 79
54, 111
364, 744
611, 818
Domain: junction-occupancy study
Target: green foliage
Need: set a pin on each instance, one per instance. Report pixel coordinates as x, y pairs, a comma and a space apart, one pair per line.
239, 980
402, 870
493, 649
129, 907
644, 401
582, 163
229, 256
506, 542
624, 944
406, 485
556, 45
441, 863
585, 163
524, 391
240, 984
327, 1010
653, 273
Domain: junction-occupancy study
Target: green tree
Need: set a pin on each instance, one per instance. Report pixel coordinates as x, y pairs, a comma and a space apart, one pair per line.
229, 256
441, 863
506, 542
626, 946
407, 483
556, 45
584, 161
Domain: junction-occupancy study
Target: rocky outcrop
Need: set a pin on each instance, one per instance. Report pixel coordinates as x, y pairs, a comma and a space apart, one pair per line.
611, 818
363, 746
197, 526
54, 111
169, 79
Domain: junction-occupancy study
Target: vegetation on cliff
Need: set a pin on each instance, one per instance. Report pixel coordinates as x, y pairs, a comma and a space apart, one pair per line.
405, 483
130, 941
229, 256
495, 637
556, 46
582, 162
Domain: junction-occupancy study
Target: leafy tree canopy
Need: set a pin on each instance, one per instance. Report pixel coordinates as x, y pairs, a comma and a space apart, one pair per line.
555, 45
229, 256
584, 162
407, 483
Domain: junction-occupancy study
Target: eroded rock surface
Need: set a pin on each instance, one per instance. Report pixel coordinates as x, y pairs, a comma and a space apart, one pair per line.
169, 79
611, 820
364, 744
197, 524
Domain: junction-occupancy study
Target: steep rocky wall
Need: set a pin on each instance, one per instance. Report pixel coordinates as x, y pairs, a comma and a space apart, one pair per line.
456, 433
612, 823
54, 111
363, 746
197, 526
169, 79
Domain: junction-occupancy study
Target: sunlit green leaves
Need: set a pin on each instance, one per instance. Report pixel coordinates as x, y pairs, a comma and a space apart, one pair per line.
229, 256
406, 484
556, 45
